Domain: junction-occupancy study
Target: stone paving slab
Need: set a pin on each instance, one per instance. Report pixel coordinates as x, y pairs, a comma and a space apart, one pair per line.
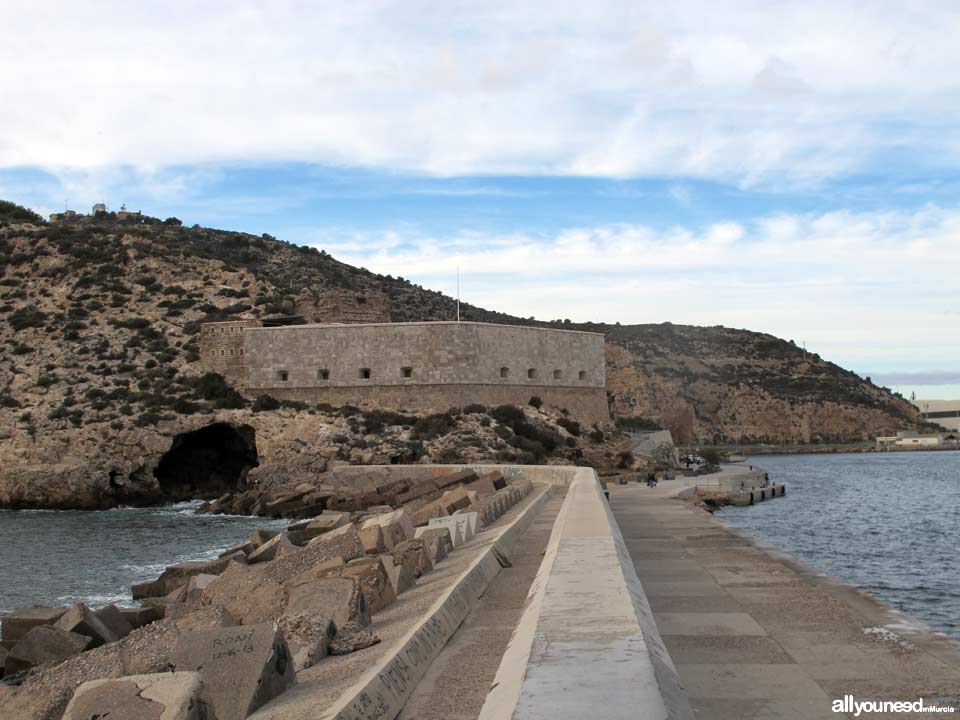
757, 634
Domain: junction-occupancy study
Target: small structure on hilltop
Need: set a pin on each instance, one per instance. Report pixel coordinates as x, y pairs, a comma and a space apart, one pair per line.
340, 305
416, 366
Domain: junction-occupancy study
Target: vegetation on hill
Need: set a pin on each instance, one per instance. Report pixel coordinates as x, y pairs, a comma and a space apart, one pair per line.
102, 318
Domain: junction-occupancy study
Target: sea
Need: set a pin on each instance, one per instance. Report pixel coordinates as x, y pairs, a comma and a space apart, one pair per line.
887, 523
60, 557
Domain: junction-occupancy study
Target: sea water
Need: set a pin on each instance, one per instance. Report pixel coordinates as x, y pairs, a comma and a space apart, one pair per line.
56, 557
888, 523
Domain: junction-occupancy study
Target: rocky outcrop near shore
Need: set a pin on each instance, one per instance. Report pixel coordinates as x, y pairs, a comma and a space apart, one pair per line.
235, 631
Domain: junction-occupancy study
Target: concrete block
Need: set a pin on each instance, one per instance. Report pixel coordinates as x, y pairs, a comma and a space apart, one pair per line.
44, 644
343, 542
115, 620
400, 576
275, 547
259, 537
195, 588
177, 576
397, 527
308, 638
19, 622
242, 667
457, 499
352, 637
437, 542
461, 527
160, 696
339, 598
373, 580
328, 521
372, 539
453, 478
246, 548
82, 620
425, 513
138, 617
414, 553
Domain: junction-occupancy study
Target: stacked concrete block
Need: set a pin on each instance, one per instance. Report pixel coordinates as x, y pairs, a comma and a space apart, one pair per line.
241, 667
462, 527
176, 696
18, 623
397, 526
437, 541
44, 644
374, 582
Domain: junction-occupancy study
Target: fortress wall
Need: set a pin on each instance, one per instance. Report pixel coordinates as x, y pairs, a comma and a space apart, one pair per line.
221, 348
447, 364
588, 405
436, 353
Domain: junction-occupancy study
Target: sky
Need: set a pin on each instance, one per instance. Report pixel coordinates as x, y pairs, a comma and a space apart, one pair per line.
786, 168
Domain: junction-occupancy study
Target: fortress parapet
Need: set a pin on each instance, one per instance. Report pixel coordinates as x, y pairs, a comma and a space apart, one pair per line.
420, 366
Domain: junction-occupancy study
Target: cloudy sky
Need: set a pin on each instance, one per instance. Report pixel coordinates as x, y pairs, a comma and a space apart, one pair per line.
790, 170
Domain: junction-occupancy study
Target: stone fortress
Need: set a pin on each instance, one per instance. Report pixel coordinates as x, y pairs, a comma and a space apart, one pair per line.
415, 366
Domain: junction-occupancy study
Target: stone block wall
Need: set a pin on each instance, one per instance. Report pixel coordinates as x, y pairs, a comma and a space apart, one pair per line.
222, 351
342, 306
428, 366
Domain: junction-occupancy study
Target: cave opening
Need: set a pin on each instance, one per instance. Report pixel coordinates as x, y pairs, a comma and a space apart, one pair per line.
208, 462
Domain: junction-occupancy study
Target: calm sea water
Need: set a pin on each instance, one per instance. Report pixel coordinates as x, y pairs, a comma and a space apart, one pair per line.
50, 557
888, 523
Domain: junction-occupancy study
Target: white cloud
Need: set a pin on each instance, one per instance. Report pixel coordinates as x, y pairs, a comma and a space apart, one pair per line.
870, 289
746, 92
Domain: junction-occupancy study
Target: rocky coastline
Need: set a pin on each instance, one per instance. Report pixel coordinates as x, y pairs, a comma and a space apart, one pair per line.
287, 598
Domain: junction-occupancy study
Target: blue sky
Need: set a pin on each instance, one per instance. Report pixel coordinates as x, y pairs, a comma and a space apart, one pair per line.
786, 169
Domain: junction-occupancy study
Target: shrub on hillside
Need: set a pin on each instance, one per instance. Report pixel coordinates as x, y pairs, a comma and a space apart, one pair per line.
265, 402
432, 426
636, 424
13, 213
536, 402
571, 426
27, 317
212, 387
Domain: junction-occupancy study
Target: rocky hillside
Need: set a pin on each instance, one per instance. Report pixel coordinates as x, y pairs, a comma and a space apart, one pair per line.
99, 361
99, 372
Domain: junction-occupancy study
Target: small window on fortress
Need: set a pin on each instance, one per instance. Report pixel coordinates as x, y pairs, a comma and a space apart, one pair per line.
407, 371
556, 374
532, 373
222, 351
282, 375
583, 374
504, 372
323, 374
364, 373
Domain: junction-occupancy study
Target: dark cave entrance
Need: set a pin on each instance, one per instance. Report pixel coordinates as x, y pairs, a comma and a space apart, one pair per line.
208, 462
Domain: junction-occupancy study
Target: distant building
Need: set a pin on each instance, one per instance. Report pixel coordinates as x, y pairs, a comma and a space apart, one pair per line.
98, 208
65, 215
945, 413
910, 438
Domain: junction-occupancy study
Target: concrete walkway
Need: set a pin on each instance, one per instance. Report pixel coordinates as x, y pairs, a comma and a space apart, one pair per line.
754, 634
458, 681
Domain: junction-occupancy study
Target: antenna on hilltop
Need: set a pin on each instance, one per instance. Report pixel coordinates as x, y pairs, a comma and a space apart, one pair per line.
458, 293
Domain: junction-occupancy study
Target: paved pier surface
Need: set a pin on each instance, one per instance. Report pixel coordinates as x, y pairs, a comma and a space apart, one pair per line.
457, 682
756, 634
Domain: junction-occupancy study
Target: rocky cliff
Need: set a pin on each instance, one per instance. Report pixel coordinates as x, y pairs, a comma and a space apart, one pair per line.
99, 368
